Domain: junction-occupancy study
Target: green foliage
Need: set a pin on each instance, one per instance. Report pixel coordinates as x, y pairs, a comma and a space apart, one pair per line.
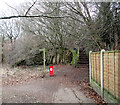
75, 57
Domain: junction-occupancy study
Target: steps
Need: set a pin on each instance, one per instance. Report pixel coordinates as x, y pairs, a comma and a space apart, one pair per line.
83, 59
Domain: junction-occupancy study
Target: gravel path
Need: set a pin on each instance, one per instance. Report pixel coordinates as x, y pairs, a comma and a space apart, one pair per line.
57, 89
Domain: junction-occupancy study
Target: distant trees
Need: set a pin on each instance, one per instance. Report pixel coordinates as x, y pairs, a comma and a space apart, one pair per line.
52, 30
99, 24
12, 29
60, 27
108, 25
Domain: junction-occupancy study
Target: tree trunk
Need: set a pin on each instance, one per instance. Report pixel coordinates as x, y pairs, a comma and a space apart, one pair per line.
2, 56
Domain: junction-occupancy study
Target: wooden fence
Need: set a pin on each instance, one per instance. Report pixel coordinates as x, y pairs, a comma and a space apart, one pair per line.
111, 71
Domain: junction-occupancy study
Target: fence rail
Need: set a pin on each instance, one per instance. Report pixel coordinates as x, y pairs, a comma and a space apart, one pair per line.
106, 73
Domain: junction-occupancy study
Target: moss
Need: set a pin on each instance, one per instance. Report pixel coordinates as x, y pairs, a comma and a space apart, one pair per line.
107, 96
112, 51
96, 52
75, 57
95, 83
111, 97
108, 51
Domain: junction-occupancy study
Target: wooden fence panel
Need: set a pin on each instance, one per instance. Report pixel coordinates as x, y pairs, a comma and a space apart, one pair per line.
95, 75
118, 76
92, 65
105, 70
111, 71
97, 66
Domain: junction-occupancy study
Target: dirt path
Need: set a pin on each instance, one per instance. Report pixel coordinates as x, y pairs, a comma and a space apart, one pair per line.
61, 88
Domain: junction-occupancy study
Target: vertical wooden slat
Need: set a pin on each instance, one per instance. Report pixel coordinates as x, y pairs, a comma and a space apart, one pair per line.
91, 64
119, 76
100, 67
95, 69
106, 70
94, 66
116, 75
111, 73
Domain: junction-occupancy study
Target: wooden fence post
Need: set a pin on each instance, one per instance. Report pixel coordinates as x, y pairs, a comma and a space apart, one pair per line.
90, 65
102, 71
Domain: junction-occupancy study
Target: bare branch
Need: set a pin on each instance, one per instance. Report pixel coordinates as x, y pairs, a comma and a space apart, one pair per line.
73, 9
12, 7
45, 16
30, 7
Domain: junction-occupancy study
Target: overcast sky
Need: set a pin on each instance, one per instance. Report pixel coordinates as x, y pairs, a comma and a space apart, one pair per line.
14, 3
4, 8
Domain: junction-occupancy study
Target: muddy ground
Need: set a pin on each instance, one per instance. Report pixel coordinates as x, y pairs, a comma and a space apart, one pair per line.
68, 85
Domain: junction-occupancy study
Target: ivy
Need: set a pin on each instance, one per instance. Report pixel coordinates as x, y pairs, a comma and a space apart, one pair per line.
75, 57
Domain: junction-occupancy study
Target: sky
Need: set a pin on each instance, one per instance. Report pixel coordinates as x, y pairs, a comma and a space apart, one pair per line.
4, 8
14, 3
